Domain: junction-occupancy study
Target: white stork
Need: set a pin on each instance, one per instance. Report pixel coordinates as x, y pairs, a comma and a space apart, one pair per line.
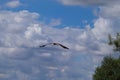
58, 44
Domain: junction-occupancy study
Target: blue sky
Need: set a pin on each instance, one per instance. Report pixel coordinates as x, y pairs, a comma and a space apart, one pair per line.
81, 25
77, 16
69, 15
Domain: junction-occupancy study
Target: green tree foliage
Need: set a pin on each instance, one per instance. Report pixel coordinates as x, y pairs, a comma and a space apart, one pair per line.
109, 69
115, 42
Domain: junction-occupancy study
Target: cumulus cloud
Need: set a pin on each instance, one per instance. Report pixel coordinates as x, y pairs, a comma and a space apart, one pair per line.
102, 27
110, 11
21, 58
33, 29
18, 27
13, 4
21, 34
108, 15
112, 14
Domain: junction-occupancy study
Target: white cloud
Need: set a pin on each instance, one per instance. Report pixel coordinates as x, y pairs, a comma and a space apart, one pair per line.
102, 27
13, 4
108, 15
111, 11
21, 58
33, 30
108, 21
16, 28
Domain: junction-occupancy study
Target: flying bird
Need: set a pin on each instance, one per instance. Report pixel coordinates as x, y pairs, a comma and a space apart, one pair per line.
58, 44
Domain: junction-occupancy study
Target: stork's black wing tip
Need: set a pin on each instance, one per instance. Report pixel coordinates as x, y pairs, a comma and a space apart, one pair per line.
42, 46
65, 47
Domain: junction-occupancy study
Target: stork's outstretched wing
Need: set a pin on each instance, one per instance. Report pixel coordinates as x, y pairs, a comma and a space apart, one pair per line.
63, 46
58, 44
